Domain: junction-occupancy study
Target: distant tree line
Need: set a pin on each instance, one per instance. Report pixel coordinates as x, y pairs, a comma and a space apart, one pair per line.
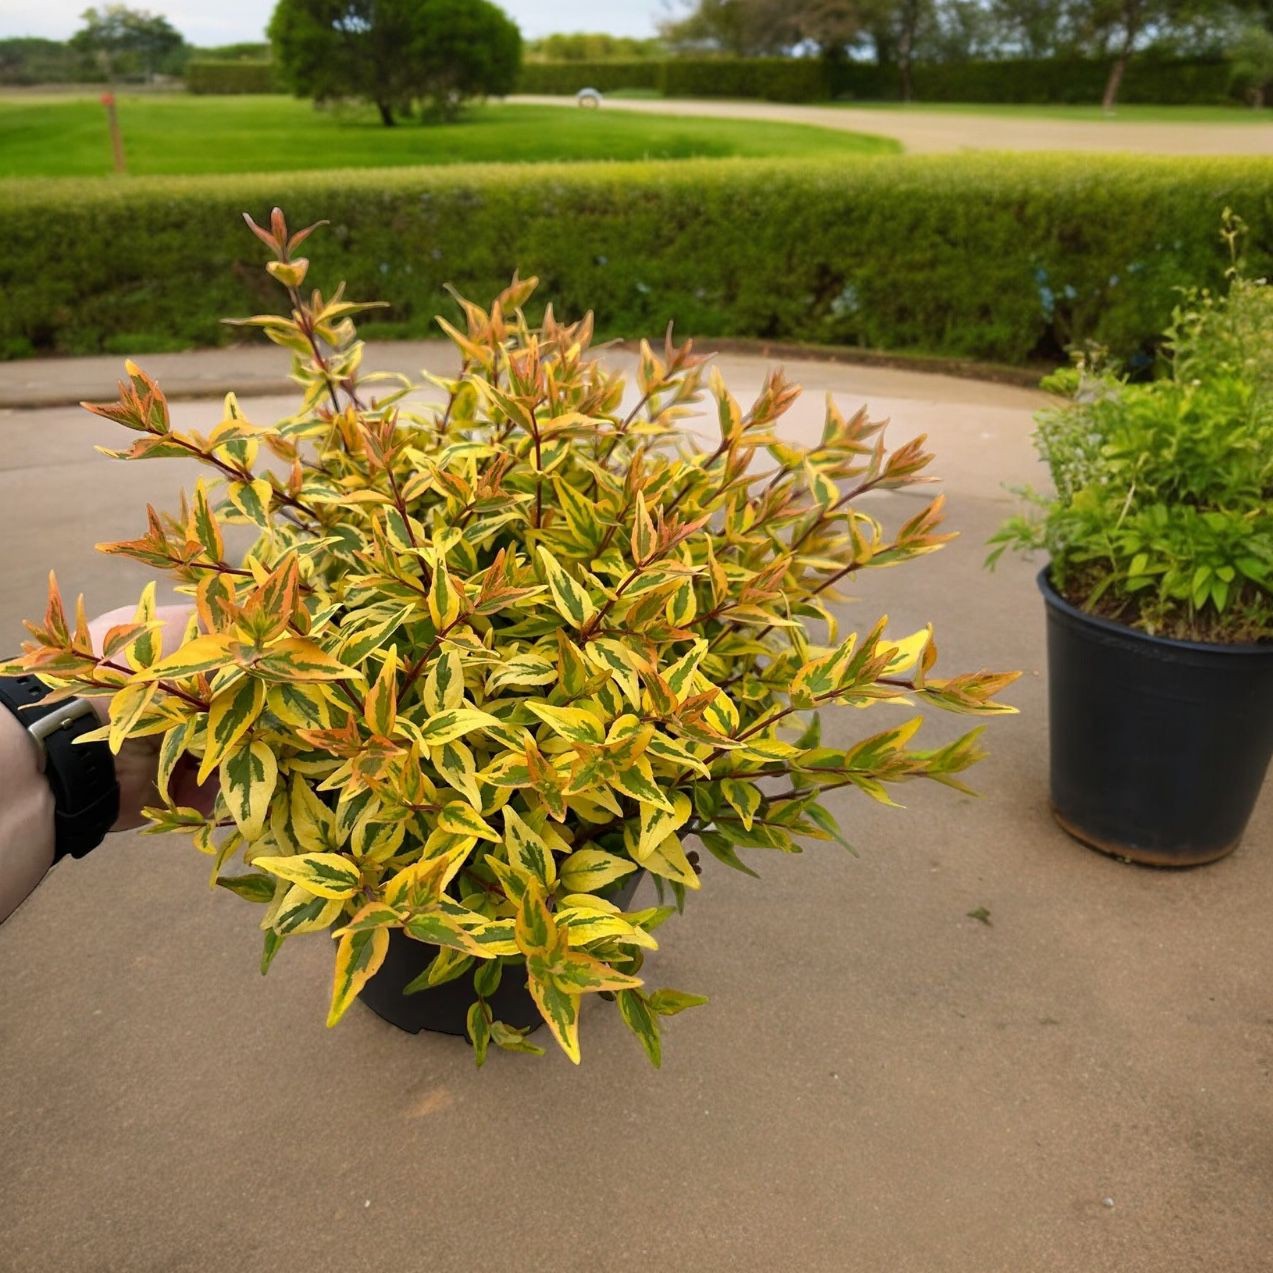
899, 33
114, 43
592, 46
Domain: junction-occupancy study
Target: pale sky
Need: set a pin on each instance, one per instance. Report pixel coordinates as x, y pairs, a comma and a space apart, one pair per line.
228, 21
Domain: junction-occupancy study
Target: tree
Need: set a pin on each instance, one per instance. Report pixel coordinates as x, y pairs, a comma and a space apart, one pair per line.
897, 28
592, 46
744, 28
752, 28
463, 49
128, 41
395, 53
1253, 63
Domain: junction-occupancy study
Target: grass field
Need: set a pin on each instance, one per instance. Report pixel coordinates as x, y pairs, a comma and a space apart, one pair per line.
1241, 115
48, 136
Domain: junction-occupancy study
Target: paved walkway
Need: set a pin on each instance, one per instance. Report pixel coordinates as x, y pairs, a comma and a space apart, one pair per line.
879, 1083
933, 132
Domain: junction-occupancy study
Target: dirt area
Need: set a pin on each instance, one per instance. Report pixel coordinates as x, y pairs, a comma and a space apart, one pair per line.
935, 132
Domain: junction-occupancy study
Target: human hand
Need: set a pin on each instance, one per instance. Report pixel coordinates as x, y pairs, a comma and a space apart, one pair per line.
137, 764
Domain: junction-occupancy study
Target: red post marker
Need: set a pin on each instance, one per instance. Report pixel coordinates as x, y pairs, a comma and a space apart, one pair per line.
112, 122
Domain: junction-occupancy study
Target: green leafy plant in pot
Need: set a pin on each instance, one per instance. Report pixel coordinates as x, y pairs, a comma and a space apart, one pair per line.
1159, 588
487, 661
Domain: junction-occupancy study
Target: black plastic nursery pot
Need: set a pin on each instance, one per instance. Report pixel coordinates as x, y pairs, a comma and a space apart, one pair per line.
444, 1009
1158, 747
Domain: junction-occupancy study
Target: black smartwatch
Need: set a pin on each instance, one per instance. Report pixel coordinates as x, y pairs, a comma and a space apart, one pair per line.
82, 775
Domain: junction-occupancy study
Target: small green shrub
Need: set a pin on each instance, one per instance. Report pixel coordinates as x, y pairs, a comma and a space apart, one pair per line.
1163, 512
208, 76
488, 655
1003, 258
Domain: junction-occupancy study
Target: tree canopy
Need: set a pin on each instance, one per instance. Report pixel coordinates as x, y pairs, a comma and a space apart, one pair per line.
396, 53
126, 41
901, 32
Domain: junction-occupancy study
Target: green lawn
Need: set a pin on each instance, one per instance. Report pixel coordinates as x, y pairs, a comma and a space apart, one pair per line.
1124, 114
51, 136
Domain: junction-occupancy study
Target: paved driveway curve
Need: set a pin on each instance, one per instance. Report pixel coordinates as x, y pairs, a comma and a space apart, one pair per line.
1077, 1084
935, 132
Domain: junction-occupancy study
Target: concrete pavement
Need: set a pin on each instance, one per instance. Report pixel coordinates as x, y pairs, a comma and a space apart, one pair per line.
880, 1081
938, 132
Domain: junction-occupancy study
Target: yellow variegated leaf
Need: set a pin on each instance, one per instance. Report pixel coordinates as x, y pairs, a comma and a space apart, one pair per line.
311, 824
444, 685
203, 654
444, 853
578, 973
302, 912
574, 723
535, 930
380, 709
203, 524
561, 1012
680, 675
657, 822
523, 669
126, 708
461, 819
584, 925
446, 603
909, 648
372, 915
527, 849
744, 798
377, 841
252, 499
146, 649
248, 777
669, 861
438, 927
638, 782
233, 712
454, 761
323, 874
589, 869
682, 606
174, 745
358, 958
300, 659
302, 705
446, 727
572, 602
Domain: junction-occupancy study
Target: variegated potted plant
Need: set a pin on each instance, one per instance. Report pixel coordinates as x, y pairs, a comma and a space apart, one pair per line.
492, 656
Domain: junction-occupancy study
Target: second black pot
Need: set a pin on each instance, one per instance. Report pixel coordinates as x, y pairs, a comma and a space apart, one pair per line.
1158, 747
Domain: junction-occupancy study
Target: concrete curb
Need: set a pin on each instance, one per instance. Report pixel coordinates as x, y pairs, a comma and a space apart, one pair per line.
43, 383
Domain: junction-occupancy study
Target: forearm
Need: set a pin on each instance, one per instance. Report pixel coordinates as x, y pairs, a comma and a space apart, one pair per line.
26, 816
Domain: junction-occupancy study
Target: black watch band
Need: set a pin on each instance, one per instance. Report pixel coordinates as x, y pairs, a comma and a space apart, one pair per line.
82, 775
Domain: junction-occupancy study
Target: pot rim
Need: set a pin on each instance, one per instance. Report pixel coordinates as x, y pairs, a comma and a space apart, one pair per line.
1057, 602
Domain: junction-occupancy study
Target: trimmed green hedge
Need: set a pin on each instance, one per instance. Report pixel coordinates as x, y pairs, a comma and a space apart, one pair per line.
776, 79
209, 76
1073, 80
567, 78
779, 79
1005, 258
1058, 80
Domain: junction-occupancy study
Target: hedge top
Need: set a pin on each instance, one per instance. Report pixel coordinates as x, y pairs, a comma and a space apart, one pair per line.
1052, 172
